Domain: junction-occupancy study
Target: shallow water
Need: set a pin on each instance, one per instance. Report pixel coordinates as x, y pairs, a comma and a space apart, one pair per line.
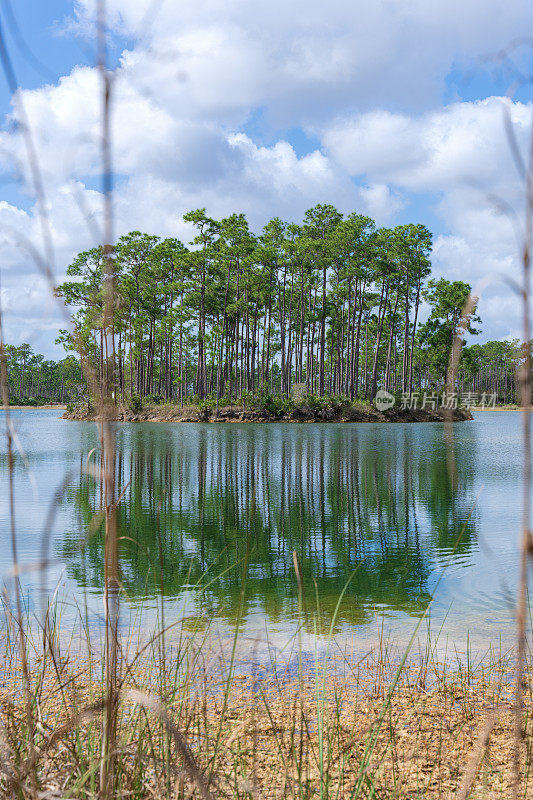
368, 508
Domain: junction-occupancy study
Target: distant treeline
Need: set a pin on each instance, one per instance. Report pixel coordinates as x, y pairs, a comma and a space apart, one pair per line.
491, 368
330, 305
34, 380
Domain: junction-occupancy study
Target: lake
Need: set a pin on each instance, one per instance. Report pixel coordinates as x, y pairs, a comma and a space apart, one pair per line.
368, 508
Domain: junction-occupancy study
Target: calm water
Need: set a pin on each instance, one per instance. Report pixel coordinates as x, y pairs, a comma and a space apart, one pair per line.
364, 505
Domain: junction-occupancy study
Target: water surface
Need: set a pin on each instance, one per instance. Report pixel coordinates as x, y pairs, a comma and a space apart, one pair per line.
370, 509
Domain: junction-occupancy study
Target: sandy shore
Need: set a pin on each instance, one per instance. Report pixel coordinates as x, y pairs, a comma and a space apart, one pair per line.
435, 733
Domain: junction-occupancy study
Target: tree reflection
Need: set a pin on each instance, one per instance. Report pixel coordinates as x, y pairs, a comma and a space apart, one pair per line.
368, 504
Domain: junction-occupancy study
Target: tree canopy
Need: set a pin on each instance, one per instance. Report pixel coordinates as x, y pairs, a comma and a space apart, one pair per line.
331, 305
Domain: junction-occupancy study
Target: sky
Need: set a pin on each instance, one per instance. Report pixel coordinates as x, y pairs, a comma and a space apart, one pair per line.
393, 108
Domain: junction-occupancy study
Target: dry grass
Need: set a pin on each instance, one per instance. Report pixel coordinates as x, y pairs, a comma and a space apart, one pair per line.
330, 733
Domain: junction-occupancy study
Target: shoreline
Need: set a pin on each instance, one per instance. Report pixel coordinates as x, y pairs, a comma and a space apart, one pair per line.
58, 407
236, 414
426, 731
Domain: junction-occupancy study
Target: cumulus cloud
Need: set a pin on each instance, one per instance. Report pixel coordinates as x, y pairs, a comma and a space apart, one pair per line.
463, 143
380, 202
305, 61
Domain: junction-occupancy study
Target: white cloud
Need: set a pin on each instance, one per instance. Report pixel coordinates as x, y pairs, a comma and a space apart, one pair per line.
463, 143
380, 202
304, 60
460, 157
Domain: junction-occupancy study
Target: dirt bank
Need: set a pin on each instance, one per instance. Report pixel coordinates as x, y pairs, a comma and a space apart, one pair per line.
346, 413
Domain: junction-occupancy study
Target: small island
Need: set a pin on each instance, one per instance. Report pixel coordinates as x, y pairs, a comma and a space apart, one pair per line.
299, 322
288, 411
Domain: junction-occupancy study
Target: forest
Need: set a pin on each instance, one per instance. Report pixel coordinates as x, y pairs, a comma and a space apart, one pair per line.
34, 380
330, 306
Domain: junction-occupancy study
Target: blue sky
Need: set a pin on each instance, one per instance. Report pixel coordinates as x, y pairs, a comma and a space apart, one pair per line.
393, 109
41, 46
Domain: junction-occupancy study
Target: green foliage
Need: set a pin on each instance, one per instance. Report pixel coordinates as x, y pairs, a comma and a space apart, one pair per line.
275, 406
292, 319
34, 380
28, 401
135, 403
227, 314
492, 368
206, 405
446, 322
